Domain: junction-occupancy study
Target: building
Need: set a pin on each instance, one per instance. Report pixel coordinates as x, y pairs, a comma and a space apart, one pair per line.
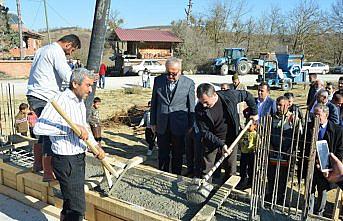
144, 43
31, 40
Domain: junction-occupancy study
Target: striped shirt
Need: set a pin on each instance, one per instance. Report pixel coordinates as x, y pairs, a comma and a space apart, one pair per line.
50, 123
49, 69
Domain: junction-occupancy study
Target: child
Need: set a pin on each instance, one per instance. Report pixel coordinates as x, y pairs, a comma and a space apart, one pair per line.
248, 145
94, 119
21, 124
31, 118
149, 135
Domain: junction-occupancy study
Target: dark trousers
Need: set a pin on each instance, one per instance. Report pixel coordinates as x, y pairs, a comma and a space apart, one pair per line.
150, 138
247, 167
229, 164
282, 183
31, 132
38, 106
102, 81
96, 131
193, 158
169, 143
320, 184
70, 173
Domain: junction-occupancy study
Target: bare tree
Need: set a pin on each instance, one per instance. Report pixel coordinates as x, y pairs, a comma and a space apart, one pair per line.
188, 11
303, 22
336, 24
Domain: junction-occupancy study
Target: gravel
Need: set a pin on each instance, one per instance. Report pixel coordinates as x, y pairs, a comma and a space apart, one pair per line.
152, 191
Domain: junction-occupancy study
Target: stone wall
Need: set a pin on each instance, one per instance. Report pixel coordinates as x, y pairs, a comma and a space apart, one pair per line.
16, 69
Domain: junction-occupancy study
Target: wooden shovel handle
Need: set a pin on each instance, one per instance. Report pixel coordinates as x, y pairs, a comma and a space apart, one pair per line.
227, 153
78, 133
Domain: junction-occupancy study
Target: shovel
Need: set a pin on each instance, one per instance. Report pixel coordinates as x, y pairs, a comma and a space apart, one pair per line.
105, 163
199, 189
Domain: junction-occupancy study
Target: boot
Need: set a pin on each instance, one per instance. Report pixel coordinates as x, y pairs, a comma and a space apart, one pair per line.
37, 154
47, 169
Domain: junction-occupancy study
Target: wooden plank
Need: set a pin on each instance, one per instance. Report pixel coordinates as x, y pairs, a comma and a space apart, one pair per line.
10, 176
90, 212
10, 183
30, 201
208, 211
1, 176
102, 216
338, 204
51, 200
32, 192
10, 168
123, 209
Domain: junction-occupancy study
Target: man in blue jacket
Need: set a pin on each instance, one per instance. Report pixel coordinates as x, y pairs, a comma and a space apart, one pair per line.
265, 104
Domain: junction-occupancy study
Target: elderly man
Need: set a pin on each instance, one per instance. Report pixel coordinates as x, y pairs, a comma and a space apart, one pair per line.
49, 69
172, 114
265, 104
69, 149
283, 122
322, 98
316, 86
333, 134
218, 122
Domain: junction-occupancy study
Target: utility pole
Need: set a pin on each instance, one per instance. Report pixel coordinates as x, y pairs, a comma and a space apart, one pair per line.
97, 42
46, 21
188, 11
20, 29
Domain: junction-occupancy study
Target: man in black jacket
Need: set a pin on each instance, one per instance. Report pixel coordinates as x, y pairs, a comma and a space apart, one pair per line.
333, 134
218, 123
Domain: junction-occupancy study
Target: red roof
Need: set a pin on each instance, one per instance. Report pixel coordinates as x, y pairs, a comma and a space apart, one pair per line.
146, 35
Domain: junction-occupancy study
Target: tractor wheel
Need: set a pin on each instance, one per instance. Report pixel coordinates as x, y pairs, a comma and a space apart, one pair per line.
287, 85
224, 70
243, 68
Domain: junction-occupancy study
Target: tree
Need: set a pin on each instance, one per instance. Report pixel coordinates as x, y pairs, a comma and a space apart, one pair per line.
303, 22
336, 25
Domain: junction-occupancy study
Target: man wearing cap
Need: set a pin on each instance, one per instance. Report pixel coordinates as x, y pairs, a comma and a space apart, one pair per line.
236, 83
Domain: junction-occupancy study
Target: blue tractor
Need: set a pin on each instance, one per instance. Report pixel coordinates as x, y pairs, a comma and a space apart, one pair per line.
284, 71
234, 60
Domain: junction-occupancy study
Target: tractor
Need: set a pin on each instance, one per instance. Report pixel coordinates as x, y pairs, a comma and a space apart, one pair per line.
284, 71
234, 60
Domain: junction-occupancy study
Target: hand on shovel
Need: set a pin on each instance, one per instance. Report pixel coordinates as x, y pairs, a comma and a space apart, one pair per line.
84, 133
225, 149
101, 155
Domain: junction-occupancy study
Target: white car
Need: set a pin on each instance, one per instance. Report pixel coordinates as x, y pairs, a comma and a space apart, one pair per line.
315, 68
152, 65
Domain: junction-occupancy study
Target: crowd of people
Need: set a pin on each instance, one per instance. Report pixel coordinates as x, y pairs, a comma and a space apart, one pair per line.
200, 123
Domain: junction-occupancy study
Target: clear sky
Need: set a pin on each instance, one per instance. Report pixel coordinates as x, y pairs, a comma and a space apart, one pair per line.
136, 13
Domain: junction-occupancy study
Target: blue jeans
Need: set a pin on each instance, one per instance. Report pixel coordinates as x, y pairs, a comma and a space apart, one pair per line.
102, 81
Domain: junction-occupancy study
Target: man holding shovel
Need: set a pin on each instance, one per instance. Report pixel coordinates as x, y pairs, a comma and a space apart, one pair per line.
49, 69
218, 122
68, 149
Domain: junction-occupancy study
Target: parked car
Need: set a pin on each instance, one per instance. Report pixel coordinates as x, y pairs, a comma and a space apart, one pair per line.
338, 70
315, 68
152, 65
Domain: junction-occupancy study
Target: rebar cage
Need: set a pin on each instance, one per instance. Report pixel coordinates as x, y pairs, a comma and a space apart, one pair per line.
284, 165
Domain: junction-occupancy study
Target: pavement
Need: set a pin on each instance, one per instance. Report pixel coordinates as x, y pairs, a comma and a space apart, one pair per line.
11, 209
122, 82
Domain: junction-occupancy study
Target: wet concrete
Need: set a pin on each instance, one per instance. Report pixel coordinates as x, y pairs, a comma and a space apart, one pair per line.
152, 191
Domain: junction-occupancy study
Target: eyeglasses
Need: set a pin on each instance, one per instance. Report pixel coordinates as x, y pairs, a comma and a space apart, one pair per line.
172, 74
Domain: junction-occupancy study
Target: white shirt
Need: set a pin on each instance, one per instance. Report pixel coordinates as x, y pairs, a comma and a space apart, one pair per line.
49, 69
50, 123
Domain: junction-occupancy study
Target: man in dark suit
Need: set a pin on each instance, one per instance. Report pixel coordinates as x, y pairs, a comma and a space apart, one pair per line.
172, 114
312, 91
218, 123
265, 104
333, 134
